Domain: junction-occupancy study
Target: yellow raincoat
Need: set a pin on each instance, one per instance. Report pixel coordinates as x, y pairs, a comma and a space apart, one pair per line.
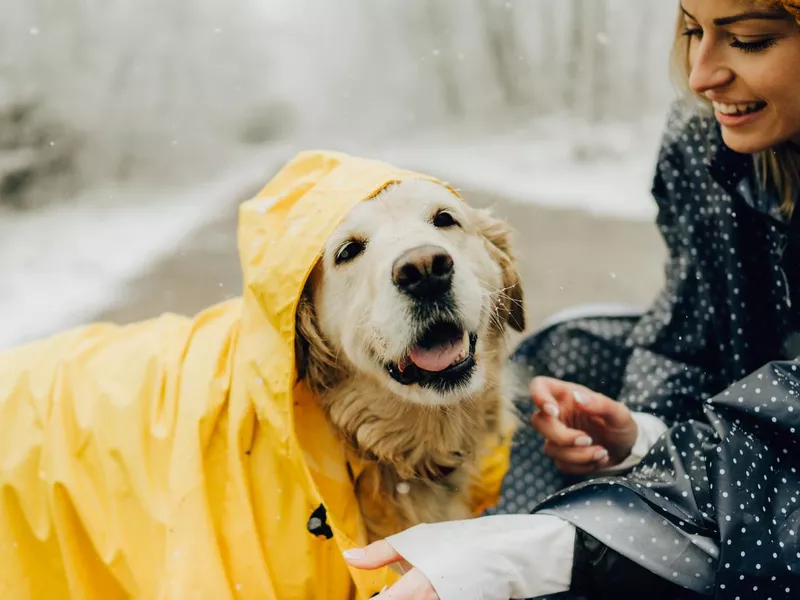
177, 458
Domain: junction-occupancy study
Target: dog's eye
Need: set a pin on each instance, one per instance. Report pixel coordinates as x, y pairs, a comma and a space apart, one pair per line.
444, 219
348, 251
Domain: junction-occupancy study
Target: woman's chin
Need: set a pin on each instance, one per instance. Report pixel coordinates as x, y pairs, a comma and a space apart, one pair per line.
746, 142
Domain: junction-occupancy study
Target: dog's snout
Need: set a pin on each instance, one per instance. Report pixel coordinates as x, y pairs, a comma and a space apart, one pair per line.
423, 272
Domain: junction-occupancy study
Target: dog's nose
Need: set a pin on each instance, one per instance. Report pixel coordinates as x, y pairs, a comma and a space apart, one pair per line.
423, 272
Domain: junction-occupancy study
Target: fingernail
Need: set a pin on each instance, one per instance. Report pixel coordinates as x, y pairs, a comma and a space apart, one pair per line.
600, 454
584, 440
551, 409
354, 554
579, 397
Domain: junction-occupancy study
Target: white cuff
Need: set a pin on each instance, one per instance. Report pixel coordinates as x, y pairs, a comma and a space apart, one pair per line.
650, 428
492, 558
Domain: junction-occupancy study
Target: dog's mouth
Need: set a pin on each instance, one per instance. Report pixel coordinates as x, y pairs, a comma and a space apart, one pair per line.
443, 358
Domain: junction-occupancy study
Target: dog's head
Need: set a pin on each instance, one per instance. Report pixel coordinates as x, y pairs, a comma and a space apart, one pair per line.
411, 289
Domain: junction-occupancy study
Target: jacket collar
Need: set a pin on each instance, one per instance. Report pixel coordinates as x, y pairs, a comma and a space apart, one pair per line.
737, 175
729, 168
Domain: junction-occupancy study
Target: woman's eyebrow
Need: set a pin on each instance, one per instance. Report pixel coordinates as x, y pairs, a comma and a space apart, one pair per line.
745, 16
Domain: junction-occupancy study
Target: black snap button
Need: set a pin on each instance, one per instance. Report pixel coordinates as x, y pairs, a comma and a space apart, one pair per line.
318, 523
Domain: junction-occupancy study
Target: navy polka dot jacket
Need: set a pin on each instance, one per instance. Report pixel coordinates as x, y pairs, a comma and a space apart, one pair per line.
714, 508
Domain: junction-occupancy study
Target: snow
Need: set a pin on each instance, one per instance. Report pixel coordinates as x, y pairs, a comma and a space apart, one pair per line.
605, 170
63, 264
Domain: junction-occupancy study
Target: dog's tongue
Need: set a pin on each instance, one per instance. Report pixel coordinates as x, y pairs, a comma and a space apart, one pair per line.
437, 358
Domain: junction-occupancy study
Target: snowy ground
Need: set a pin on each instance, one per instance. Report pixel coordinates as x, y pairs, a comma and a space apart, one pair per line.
606, 170
63, 264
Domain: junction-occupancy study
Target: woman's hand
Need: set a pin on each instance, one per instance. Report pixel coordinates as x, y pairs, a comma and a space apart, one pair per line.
487, 558
412, 586
585, 430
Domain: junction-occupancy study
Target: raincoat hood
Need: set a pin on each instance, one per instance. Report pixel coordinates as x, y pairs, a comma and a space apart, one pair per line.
180, 458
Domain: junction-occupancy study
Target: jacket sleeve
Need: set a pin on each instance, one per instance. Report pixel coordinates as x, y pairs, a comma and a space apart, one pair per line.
671, 368
694, 514
600, 573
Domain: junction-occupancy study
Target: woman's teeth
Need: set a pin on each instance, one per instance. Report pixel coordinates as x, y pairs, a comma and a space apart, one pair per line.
738, 109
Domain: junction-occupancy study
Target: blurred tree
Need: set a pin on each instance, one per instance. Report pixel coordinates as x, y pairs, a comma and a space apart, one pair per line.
548, 66
598, 71
641, 77
503, 48
441, 55
576, 52
36, 153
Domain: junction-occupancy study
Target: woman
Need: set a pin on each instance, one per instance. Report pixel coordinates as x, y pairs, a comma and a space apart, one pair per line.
708, 422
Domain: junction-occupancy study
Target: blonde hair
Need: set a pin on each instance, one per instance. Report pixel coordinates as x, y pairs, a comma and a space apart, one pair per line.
778, 167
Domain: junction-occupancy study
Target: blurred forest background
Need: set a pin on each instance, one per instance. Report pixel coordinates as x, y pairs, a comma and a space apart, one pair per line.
92, 92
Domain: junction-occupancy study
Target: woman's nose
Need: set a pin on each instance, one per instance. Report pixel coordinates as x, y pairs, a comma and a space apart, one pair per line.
708, 70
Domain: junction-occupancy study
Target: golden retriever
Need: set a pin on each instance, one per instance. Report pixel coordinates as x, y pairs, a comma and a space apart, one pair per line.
402, 332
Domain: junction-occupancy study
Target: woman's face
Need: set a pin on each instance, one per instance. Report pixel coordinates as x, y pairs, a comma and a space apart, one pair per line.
744, 57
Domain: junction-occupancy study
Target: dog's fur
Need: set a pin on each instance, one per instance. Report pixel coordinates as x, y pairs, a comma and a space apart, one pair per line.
418, 446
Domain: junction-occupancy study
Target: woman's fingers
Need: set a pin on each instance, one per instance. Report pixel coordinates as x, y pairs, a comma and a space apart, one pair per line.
616, 414
573, 450
376, 555
412, 586
546, 393
558, 432
575, 455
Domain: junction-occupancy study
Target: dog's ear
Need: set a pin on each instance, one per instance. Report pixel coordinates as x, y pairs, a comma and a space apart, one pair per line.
497, 235
314, 360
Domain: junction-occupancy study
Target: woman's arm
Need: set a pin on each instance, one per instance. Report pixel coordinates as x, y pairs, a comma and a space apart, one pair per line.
510, 556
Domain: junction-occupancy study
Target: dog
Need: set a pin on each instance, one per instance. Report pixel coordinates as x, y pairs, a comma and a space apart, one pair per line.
355, 389
402, 332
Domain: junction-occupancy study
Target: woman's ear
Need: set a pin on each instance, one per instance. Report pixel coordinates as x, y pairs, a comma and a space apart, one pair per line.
497, 235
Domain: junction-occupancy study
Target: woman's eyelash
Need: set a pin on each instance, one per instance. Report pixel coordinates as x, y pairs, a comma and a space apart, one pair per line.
696, 32
693, 32
753, 46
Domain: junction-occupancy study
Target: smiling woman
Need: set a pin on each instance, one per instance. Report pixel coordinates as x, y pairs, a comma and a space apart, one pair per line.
741, 60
